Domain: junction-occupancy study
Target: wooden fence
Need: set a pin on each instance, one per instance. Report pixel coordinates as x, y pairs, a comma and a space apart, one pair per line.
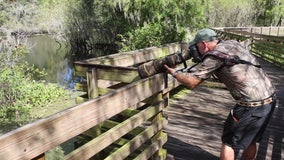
122, 116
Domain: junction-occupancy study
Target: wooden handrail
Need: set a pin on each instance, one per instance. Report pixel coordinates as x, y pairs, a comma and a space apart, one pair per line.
144, 98
36, 138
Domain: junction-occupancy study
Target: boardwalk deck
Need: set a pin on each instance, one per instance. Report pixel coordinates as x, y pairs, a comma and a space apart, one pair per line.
196, 121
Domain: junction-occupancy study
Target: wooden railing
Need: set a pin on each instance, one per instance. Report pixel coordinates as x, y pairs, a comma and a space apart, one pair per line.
122, 115
267, 47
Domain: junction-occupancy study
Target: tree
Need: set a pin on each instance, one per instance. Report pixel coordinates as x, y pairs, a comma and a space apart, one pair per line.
173, 19
270, 11
234, 13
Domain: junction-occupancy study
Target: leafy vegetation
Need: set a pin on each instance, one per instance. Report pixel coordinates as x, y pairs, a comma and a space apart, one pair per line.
129, 25
93, 28
19, 93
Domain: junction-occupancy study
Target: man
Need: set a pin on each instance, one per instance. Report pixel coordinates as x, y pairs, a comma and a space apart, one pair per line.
234, 65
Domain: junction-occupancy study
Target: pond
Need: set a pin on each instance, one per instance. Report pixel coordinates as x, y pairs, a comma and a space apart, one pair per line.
46, 53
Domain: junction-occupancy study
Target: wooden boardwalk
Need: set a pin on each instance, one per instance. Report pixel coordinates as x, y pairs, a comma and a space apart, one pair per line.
196, 122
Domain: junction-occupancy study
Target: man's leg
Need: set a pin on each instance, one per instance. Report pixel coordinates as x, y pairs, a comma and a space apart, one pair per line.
227, 153
250, 152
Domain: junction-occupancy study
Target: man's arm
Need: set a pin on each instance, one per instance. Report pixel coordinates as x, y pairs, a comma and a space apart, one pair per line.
185, 79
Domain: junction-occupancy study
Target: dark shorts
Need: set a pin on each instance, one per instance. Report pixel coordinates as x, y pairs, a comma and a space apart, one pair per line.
247, 125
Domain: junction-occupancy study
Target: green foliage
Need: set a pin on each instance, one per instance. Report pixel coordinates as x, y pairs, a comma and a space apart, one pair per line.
134, 24
270, 11
158, 22
224, 13
18, 92
55, 154
149, 35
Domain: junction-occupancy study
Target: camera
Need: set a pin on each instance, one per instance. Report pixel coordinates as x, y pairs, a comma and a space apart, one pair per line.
157, 65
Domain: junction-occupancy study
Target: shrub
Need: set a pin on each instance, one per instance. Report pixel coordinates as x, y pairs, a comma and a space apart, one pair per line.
19, 93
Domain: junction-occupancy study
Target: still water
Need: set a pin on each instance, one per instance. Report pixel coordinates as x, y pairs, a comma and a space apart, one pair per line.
45, 53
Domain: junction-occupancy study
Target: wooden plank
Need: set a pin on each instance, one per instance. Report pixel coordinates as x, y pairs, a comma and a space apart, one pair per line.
148, 152
161, 154
268, 50
133, 57
96, 145
268, 55
273, 45
115, 74
129, 112
137, 141
110, 124
33, 139
81, 99
120, 74
234, 31
80, 70
103, 91
92, 83
158, 117
81, 87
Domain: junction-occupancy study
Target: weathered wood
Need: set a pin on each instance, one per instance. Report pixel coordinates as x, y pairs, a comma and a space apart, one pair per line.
81, 87
257, 32
110, 124
266, 49
81, 99
137, 141
116, 74
91, 148
33, 139
158, 117
129, 112
272, 45
161, 154
92, 82
149, 151
268, 56
133, 57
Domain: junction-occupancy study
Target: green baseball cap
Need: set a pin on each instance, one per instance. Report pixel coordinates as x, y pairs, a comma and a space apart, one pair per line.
204, 35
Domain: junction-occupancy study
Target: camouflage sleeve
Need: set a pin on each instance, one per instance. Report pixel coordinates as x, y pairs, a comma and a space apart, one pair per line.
207, 68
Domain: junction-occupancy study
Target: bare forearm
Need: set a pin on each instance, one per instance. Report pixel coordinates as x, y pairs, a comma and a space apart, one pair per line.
184, 78
188, 80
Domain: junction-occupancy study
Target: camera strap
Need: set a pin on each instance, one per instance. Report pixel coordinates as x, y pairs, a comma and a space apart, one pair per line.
183, 60
229, 60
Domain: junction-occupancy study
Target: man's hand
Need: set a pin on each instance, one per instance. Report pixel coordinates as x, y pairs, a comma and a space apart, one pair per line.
186, 79
169, 70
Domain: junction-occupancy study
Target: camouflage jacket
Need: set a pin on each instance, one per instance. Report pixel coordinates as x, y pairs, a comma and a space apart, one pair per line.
245, 82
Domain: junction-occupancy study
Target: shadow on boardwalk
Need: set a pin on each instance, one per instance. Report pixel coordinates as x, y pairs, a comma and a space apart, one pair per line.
196, 123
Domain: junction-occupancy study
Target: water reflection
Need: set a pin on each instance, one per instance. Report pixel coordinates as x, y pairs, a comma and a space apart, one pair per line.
46, 53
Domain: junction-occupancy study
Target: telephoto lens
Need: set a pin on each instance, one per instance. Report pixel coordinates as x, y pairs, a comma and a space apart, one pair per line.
157, 66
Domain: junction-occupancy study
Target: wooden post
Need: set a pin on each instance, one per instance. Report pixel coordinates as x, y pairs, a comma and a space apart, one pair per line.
161, 154
92, 82
93, 92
